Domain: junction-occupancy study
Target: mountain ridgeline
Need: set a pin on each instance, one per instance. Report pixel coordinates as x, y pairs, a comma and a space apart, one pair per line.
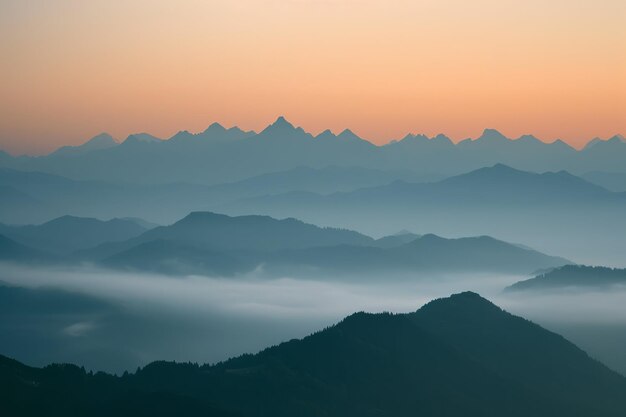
208, 243
458, 356
219, 155
572, 277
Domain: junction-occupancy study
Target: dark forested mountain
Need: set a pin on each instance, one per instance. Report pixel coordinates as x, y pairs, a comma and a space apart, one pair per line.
459, 356
220, 155
581, 276
68, 233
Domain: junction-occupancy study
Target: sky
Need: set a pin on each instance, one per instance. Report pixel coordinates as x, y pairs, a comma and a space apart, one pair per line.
72, 69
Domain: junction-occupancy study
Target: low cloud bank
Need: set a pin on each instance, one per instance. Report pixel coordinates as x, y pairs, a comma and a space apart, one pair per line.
148, 317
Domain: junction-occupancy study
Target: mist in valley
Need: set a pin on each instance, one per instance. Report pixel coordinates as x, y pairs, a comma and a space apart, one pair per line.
117, 321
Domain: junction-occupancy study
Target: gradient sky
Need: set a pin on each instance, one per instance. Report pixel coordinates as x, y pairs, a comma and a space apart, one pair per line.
72, 69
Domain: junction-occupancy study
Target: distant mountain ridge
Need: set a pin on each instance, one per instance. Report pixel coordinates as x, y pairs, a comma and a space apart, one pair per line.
215, 244
34, 197
547, 211
68, 234
219, 155
456, 356
573, 276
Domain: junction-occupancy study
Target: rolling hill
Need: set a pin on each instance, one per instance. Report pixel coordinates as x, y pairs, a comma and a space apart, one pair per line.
573, 276
210, 243
68, 234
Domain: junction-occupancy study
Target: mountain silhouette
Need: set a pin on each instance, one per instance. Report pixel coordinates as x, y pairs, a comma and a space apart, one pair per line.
97, 143
457, 356
210, 243
217, 232
498, 183
547, 211
219, 155
34, 197
68, 234
580, 276
429, 253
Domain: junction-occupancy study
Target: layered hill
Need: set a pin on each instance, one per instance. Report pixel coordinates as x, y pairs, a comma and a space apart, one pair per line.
210, 243
68, 234
548, 211
573, 276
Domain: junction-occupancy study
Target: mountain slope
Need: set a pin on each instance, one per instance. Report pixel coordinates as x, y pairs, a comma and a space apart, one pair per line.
68, 233
428, 253
208, 230
209, 243
580, 276
548, 212
15, 252
99, 142
459, 356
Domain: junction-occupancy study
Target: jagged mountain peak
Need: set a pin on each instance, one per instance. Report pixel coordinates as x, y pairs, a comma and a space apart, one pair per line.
491, 135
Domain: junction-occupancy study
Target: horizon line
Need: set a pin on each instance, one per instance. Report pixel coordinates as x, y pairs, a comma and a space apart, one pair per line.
283, 120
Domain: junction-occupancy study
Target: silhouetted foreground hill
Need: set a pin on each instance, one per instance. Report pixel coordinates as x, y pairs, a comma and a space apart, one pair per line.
573, 276
458, 356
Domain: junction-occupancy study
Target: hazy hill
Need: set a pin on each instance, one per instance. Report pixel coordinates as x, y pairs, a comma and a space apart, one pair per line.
259, 233
459, 356
429, 253
613, 181
219, 155
35, 197
499, 184
581, 276
16, 252
16, 205
212, 232
209, 243
68, 233
548, 211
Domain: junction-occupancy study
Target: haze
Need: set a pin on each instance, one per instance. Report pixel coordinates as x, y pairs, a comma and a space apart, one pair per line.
118, 321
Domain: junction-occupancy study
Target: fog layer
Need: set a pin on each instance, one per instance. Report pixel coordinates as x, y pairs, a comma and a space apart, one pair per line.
117, 321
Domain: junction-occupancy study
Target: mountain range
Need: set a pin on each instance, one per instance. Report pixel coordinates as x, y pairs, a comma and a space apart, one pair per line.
68, 234
219, 155
207, 243
457, 356
547, 211
34, 197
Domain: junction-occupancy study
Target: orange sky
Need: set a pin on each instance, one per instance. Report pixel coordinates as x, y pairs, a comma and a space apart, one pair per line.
72, 69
